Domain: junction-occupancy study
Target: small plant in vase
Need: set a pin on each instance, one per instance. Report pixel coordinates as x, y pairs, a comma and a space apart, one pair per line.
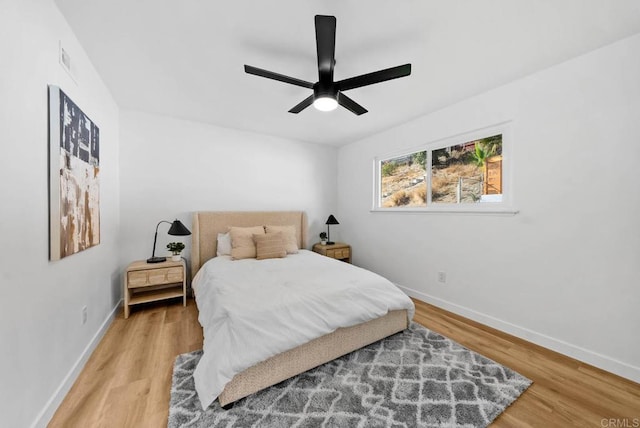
323, 238
175, 248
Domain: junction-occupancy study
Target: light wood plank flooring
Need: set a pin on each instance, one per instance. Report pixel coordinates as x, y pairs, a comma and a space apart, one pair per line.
126, 381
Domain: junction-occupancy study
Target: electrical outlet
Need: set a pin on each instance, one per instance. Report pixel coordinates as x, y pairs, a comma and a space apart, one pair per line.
84, 315
442, 277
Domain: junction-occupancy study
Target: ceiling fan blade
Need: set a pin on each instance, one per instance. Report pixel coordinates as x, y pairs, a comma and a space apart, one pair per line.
326, 46
351, 105
303, 105
375, 77
276, 76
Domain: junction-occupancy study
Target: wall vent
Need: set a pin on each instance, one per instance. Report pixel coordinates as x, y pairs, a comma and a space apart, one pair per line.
65, 62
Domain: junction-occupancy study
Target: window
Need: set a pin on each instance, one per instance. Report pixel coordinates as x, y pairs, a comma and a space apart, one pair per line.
403, 181
463, 173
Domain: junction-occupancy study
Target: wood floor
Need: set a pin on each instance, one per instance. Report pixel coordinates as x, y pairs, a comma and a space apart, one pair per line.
126, 381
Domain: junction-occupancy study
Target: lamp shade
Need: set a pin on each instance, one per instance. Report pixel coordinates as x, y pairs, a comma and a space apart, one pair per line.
332, 220
178, 229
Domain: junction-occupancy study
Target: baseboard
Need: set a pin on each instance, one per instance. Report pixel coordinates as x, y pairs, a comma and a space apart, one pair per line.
50, 408
581, 354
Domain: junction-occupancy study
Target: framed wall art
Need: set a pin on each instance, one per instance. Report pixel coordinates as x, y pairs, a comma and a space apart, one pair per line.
74, 167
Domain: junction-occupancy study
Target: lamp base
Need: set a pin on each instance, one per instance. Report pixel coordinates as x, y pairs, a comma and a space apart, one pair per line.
156, 260
330, 242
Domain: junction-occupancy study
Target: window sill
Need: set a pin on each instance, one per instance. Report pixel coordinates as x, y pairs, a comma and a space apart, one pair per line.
451, 209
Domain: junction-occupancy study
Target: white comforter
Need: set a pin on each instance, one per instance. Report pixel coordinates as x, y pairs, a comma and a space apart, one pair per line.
251, 309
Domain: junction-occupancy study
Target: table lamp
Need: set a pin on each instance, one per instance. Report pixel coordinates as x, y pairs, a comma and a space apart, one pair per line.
177, 229
330, 220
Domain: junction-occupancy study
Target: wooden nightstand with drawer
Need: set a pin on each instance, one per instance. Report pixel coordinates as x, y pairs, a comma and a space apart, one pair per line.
149, 282
338, 251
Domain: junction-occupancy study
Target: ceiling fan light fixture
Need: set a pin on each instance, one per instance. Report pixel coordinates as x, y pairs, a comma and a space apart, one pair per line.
327, 93
325, 103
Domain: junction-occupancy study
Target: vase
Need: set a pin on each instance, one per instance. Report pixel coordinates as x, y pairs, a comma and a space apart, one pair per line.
176, 258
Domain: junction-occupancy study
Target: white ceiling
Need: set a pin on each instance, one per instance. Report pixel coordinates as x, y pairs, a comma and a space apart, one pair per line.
185, 58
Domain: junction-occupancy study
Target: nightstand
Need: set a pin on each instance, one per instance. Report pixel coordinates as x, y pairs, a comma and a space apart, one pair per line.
149, 282
338, 251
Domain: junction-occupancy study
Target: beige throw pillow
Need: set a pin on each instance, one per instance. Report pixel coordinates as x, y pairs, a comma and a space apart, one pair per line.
242, 245
269, 246
288, 235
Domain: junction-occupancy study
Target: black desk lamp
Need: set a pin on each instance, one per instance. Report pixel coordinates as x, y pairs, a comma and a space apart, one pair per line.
177, 229
330, 220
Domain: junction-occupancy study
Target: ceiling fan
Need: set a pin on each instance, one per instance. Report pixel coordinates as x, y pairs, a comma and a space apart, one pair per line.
327, 94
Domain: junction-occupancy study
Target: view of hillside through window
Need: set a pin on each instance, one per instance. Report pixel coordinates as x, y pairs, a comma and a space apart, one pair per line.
459, 174
403, 181
470, 172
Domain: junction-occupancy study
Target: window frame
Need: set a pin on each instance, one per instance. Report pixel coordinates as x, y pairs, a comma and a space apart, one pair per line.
504, 207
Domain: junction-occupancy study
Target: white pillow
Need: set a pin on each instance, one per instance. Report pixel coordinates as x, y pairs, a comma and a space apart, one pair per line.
224, 244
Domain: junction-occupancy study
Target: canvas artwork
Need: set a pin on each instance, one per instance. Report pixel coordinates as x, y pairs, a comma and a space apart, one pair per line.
74, 166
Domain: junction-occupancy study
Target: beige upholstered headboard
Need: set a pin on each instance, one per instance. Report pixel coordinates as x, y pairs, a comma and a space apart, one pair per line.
207, 224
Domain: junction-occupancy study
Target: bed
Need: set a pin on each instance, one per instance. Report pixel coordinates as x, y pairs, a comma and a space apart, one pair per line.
289, 362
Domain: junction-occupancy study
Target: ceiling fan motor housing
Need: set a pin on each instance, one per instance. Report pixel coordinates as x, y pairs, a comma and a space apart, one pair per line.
324, 90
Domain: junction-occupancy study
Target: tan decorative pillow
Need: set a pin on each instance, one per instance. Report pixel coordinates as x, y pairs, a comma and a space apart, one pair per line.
288, 235
242, 245
269, 246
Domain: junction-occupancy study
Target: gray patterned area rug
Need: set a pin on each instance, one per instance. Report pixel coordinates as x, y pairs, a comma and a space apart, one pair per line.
416, 378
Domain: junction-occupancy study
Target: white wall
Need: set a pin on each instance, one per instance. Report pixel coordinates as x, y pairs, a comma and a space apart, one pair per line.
40, 322
564, 272
170, 168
